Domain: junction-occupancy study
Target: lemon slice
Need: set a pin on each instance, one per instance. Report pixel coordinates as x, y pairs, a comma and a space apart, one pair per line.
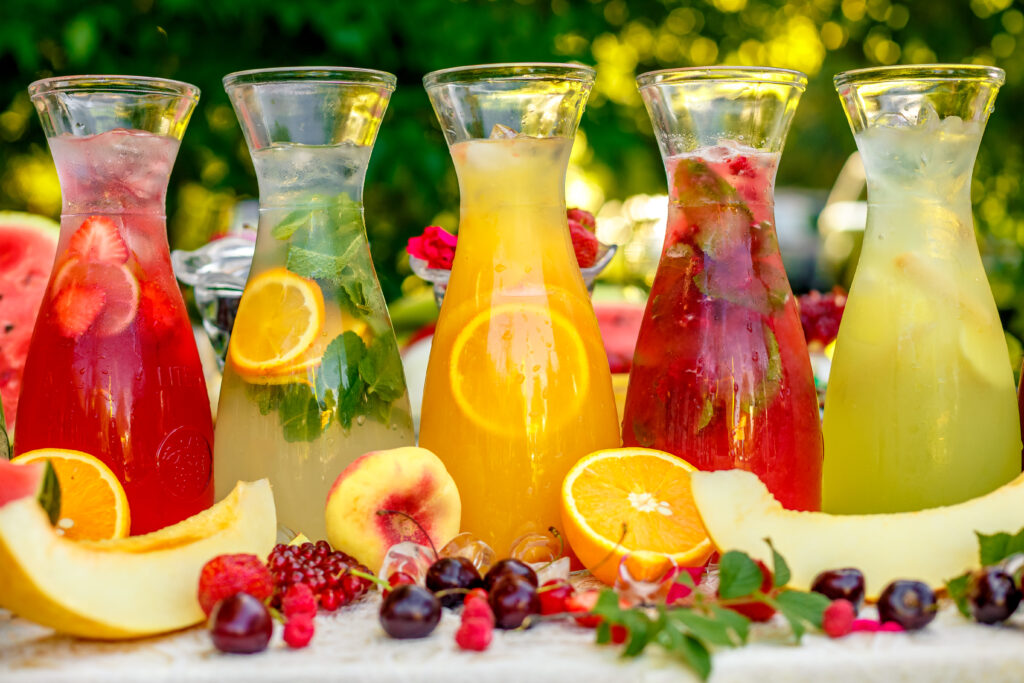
519, 368
279, 318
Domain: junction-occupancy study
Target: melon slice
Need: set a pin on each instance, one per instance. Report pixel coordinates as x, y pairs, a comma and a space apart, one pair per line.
36, 480
930, 545
130, 587
28, 244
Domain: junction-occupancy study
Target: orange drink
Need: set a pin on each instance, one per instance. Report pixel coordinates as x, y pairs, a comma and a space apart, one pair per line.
518, 386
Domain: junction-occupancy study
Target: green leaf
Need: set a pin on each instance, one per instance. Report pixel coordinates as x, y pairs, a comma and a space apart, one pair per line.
641, 628
957, 589
266, 397
696, 655
707, 629
604, 633
5, 441
338, 378
290, 223
736, 622
320, 266
779, 567
299, 414
994, 548
381, 369
707, 411
685, 579
739, 576
607, 605
803, 607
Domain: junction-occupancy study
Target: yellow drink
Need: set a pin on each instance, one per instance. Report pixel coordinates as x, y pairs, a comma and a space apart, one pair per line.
921, 408
518, 386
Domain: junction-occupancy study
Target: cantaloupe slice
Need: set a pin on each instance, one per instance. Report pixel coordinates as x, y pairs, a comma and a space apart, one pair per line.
130, 587
929, 545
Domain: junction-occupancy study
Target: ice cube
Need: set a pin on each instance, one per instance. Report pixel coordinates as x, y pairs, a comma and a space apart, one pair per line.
928, 118
408, 557
500, 132
641, 590
892, 120
473, 549
559, 569
536, 547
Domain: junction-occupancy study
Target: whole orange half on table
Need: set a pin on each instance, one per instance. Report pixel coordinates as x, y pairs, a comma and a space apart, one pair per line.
635, 502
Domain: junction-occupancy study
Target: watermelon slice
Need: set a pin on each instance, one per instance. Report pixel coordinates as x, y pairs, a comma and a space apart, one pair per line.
28, 244
620, 326
36, 479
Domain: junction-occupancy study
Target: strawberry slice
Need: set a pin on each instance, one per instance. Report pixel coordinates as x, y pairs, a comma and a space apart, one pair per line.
77, 306
98, 239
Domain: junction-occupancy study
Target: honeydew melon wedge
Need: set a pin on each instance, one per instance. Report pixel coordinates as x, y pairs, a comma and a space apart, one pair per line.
930, 545
129, 587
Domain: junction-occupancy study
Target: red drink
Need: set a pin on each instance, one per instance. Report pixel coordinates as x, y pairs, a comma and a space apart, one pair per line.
721, 375
113, 368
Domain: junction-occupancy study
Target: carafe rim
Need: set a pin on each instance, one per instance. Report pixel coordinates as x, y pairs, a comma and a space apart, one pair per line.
920, 72
98, 83
335, 75
511, 71
751, 74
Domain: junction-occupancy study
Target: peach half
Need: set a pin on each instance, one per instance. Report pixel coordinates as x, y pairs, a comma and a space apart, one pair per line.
373, 503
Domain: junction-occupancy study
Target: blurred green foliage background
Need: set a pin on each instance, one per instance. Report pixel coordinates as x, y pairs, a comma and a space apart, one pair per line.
411, 182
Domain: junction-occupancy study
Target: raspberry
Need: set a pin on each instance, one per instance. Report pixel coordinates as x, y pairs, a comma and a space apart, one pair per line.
584, 243
741, 166
476, 594
476, 608
474, 634
299, 630
838, 618
298, 599
584, 218
891, 627
226, 575
820, 315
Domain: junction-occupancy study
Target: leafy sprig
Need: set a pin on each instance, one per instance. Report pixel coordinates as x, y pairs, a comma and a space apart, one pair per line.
692, 632
992, 549
5, 441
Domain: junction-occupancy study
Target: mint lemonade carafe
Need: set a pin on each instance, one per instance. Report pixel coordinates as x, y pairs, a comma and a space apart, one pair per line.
313, 377
112, 369
920, 409
721, 375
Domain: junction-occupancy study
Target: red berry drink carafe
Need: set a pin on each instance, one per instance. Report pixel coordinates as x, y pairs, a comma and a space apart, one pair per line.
112, 368
721, 376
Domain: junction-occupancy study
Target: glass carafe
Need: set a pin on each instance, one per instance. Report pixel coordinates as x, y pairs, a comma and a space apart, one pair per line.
113, 369
313, 377
920, 409
518, 386
721, 376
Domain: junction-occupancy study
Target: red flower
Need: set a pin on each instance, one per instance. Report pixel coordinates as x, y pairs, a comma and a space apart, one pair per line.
436, 246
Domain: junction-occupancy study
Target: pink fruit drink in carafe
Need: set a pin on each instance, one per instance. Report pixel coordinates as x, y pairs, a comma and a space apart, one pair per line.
113, 369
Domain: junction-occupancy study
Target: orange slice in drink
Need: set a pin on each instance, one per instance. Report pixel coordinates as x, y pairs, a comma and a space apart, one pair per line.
93, 505
519, 368
635, 502
279, 318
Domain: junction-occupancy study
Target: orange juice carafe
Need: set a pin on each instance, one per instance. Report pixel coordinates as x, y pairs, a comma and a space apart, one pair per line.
518, 386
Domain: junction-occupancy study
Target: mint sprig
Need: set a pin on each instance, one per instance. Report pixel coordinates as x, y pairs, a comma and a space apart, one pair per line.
5, 441
692, 632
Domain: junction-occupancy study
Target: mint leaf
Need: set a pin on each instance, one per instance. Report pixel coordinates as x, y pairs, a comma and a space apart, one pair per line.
266, 397
707, 411
739, 576
994, 548
779, 567
320, 266
338, 380
696, 655
957, 589
5, 441
640, 627
706, 628
722, 229
299, 414
800, 609
381, 369
290, 223
696, 183
685, 579
736, 622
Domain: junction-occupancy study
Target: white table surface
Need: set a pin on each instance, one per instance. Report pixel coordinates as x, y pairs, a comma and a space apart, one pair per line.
350, 646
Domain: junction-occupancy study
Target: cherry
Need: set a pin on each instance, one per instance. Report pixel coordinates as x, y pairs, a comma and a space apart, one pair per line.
397, 579
507, 567
513, 599
241, 624
554, 595
992, 595
841, 584
410, 612
450, 573
911, 604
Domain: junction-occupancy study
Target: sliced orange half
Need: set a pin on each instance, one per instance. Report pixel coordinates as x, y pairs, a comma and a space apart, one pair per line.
93, 505
516, 368
280, 316
635, 502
